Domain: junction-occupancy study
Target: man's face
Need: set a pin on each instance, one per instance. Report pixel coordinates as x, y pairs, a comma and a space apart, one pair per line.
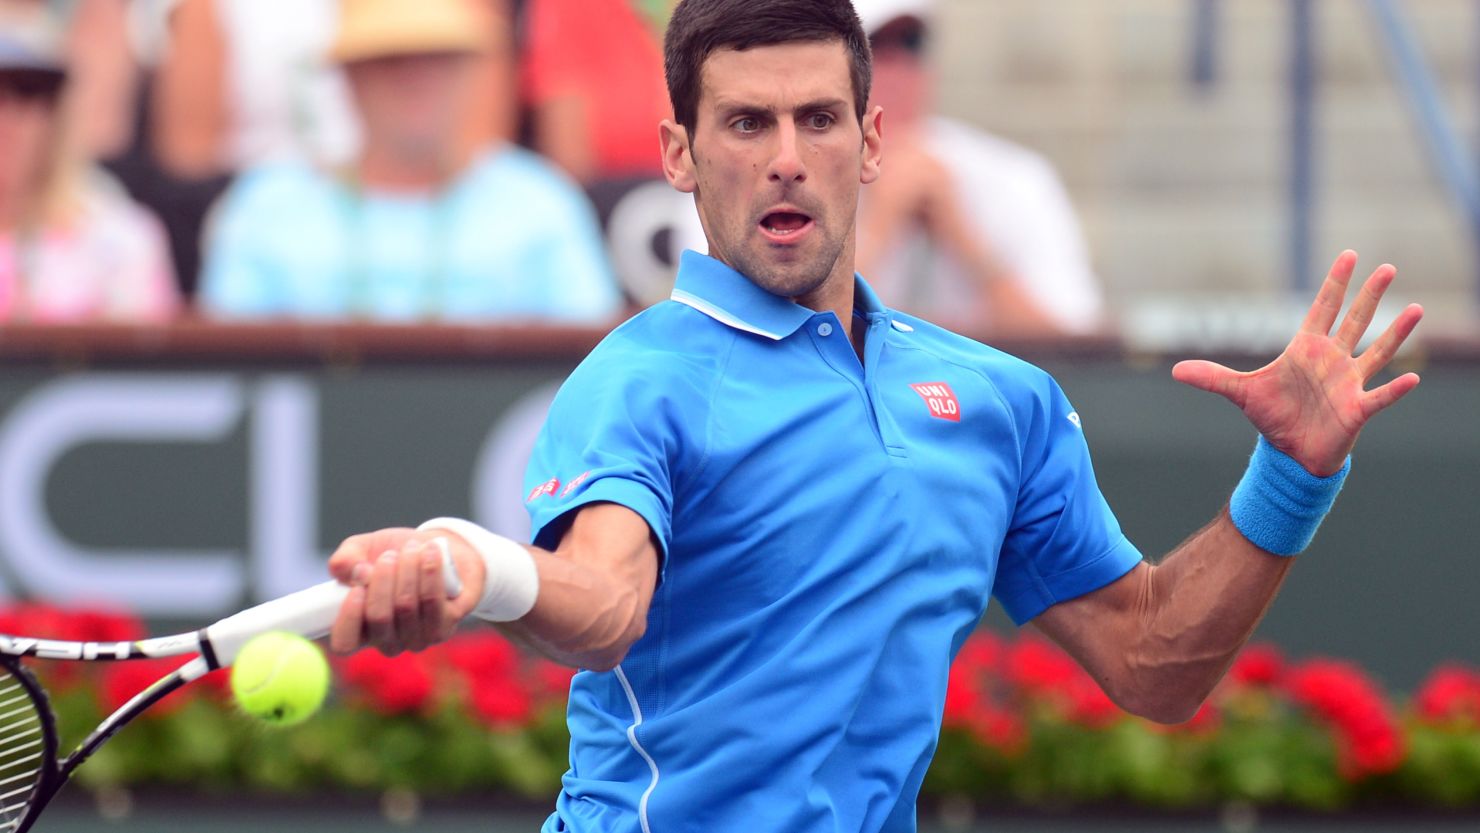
776, 162
901, 79
27, 113
411, 102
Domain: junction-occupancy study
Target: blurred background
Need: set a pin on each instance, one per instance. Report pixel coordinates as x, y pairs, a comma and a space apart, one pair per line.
274, 272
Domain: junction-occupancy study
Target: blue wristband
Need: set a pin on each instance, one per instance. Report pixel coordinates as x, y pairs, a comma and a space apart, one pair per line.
1279, 505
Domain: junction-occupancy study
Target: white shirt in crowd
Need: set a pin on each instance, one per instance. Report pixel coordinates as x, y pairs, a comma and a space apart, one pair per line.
1020, 209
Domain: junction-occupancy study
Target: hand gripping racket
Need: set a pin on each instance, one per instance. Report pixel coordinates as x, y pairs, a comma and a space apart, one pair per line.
30, 774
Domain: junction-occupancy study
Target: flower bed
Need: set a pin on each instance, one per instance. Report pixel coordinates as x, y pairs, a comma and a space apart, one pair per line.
1023, 724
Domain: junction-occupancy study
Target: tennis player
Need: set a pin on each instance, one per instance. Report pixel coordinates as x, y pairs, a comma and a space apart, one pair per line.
769, 511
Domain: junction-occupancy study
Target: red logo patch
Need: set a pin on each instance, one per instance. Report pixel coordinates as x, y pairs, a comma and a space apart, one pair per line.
571, 486
546, 488
940, 399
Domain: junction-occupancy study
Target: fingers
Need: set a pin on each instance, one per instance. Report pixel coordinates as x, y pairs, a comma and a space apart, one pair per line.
406, 597
1376, 357
349, 628
1359, 317
354, 550
1378, 399
398, 601
1332, 294
435, 626
1211, 377
380, 605
472, 572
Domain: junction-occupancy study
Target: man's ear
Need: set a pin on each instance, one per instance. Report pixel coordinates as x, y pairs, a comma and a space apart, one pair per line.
873, 144
678, 161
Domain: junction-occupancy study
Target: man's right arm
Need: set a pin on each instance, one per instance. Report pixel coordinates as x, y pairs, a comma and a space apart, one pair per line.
591, 606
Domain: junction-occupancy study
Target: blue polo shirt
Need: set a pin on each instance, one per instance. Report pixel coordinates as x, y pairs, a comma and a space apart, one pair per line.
831, 532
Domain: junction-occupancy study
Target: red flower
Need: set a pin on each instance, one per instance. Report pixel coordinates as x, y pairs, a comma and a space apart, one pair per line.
48, 622
1205, 721
123, 680
1041, 671
1258, 666
502, 706
483, 658
1450, 693
40, 620
964, 696
107, 626
983, 653
1368, 739
217, 683
550, 682
1089, 705
390, 685
998, 728
1036, 667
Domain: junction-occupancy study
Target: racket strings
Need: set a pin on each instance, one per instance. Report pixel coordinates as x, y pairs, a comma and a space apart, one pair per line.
22, 750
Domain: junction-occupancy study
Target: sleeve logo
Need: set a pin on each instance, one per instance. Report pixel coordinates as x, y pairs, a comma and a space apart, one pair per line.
571, 486
940, 400
547, 488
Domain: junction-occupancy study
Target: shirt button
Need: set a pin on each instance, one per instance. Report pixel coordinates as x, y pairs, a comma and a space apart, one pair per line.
824, 329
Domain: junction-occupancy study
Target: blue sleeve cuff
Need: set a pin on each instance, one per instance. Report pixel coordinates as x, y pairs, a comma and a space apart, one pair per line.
1025, 601
550, 526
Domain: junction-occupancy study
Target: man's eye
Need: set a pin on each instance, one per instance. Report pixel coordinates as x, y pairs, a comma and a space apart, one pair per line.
820, 121
749, 124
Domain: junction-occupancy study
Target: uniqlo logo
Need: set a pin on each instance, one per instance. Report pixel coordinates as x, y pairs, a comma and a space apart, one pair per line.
940, 399
571, 486
546, 488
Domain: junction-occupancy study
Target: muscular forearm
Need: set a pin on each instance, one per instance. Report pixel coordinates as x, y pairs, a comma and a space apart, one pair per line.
1195, 610
583, 617
594, 590
1160, 638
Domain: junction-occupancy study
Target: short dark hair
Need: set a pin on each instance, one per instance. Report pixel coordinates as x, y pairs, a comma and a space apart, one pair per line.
700, 27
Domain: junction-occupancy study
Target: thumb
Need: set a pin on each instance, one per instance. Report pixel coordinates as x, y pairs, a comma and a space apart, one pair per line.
1205, 375
473, 573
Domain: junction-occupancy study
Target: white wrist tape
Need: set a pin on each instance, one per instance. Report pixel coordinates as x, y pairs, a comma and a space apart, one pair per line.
512, 583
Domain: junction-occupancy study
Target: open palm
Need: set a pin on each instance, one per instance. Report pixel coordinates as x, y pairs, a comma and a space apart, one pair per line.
1311, 402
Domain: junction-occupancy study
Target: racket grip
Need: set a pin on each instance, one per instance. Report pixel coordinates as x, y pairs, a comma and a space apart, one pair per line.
310, 613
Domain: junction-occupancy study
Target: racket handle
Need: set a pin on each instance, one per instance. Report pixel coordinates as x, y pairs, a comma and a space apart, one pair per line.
308, 613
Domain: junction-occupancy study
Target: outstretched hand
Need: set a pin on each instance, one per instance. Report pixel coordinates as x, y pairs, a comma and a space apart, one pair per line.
1312, 401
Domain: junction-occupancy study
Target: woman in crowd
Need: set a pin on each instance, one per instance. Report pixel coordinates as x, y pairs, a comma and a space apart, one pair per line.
73, 247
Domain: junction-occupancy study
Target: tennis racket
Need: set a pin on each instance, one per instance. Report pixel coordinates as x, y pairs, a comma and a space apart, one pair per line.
30, 774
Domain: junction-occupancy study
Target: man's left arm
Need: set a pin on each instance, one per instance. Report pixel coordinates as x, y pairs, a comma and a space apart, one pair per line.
1159, 638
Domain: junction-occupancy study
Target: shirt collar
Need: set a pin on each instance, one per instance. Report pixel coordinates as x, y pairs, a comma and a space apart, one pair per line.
730, 298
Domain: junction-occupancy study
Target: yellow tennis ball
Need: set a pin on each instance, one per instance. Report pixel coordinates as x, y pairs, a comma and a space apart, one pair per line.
280, 678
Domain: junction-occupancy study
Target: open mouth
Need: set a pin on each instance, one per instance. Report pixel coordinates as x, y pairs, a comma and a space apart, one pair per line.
785, 225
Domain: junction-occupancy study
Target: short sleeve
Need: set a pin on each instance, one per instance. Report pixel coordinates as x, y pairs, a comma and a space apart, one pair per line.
1063, 541
615, 433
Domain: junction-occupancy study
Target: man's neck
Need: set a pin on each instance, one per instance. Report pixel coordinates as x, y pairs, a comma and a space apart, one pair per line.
837, 294
386, 169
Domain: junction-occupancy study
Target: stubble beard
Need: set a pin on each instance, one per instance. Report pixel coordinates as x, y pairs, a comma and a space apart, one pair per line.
795, 278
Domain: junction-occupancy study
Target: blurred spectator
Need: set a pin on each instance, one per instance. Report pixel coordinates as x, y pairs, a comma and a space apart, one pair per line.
592, 74
417, 226
963, 227
73, 247
245, 82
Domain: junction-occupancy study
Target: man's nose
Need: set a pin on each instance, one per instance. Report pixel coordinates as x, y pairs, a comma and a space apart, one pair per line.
787, 165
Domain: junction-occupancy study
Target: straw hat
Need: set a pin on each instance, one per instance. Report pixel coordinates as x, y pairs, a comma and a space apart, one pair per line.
876, 14
385, 28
